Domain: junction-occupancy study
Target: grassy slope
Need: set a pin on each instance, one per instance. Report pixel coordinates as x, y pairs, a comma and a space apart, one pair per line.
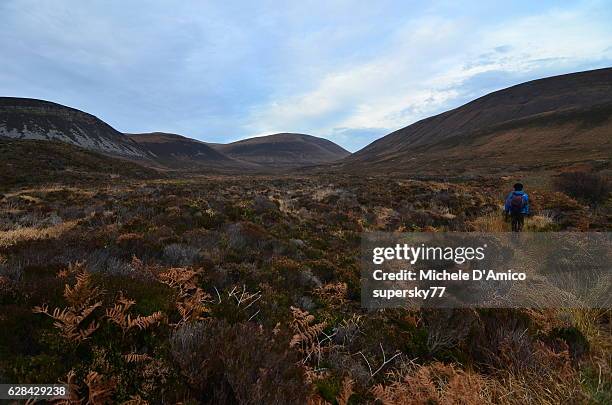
544, 125
27, 162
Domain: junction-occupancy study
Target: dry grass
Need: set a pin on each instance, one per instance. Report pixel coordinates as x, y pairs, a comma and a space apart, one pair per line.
436, 384
553, 381
496, 222
539, 223
490, 223
30, 234
589, 322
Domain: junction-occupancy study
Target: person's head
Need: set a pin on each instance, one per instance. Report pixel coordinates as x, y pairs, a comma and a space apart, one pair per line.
518, 187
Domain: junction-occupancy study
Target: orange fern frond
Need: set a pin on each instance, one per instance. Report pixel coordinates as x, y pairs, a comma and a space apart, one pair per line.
69, 321
83, 293
145, 322
383, 394
307, 335
345, 392
317, 400
182, 279
193, 307
135, 400
73, 391
305, 330
136, 357
119, 315
99, 390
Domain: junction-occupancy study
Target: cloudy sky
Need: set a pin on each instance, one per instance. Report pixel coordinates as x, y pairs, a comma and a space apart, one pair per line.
349, 71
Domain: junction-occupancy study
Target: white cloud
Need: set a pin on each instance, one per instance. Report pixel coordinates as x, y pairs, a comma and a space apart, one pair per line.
425, 67
341, 69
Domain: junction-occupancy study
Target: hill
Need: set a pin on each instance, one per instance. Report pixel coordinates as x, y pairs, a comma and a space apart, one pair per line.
285, 150
28, 162
542, 124
24, 118
177, 151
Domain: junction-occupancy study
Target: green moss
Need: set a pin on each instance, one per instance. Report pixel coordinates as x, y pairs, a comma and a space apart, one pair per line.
598, 386
329, 388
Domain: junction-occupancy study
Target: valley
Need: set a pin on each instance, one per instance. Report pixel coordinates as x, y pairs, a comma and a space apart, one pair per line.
148, 268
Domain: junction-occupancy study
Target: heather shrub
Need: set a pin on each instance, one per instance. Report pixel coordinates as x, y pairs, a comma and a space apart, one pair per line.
447, 328
570, 337
535, 371
262, 204
243, 235
157, 328
102, 261
498, 331
180, 255
10, 272
241, 363
325, 270
587, 186
290, 275
135, 244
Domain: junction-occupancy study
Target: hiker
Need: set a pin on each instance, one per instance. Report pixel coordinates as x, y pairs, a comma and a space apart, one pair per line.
517, 206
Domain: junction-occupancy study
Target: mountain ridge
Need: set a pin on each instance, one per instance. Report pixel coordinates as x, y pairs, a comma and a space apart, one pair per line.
552, 122
27, 118
34, 119
571, 113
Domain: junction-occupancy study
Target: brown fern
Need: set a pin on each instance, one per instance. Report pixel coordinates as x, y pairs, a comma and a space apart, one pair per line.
385, 395
73, 391
71, 270
346, 391
99, 389
119, 315
193, 307
333, 293
135, 400
435, 383
145, 322
317, 400
82, 303
136, 357
307, 334
182, 279
192, 302
82, 293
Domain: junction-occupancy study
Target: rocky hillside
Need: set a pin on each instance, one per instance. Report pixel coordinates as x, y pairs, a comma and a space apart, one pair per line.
23, 118
284, 150
548, 123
